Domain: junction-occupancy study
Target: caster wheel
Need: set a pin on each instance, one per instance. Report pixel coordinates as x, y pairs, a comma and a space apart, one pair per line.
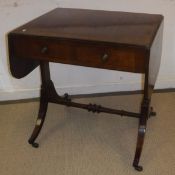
35, 145
138, 168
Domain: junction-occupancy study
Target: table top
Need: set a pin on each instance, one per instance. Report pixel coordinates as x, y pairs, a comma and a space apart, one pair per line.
92, 38
137, 29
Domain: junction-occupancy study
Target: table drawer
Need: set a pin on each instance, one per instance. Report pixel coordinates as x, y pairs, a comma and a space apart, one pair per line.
131, 59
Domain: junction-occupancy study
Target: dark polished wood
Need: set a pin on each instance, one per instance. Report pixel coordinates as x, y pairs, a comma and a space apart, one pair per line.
121, 41
45, 77
64, 30
131, 59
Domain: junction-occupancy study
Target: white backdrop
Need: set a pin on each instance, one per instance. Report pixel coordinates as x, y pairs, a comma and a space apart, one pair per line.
74, 79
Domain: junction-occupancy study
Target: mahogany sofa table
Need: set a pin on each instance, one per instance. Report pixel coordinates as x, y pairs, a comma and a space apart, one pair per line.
122, 41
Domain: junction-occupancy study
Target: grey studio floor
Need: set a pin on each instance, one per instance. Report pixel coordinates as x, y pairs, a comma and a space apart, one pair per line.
76, 142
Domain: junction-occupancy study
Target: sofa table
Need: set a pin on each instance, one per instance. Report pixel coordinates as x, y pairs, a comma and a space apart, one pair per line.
123, 41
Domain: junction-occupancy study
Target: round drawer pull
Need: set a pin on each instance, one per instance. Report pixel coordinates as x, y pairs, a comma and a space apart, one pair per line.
105, 57
44, 49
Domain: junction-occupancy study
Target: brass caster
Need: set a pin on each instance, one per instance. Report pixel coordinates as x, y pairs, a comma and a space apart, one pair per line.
34, 144
138, 168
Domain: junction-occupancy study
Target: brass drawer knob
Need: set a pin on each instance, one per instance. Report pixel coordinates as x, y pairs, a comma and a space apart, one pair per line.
44, 49
105, 57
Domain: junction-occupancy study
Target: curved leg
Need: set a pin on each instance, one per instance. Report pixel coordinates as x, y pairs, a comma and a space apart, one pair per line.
45, 77
140, 141
40, 121
141, 134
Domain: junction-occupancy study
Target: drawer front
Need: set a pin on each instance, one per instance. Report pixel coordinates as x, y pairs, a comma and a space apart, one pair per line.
129, 59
